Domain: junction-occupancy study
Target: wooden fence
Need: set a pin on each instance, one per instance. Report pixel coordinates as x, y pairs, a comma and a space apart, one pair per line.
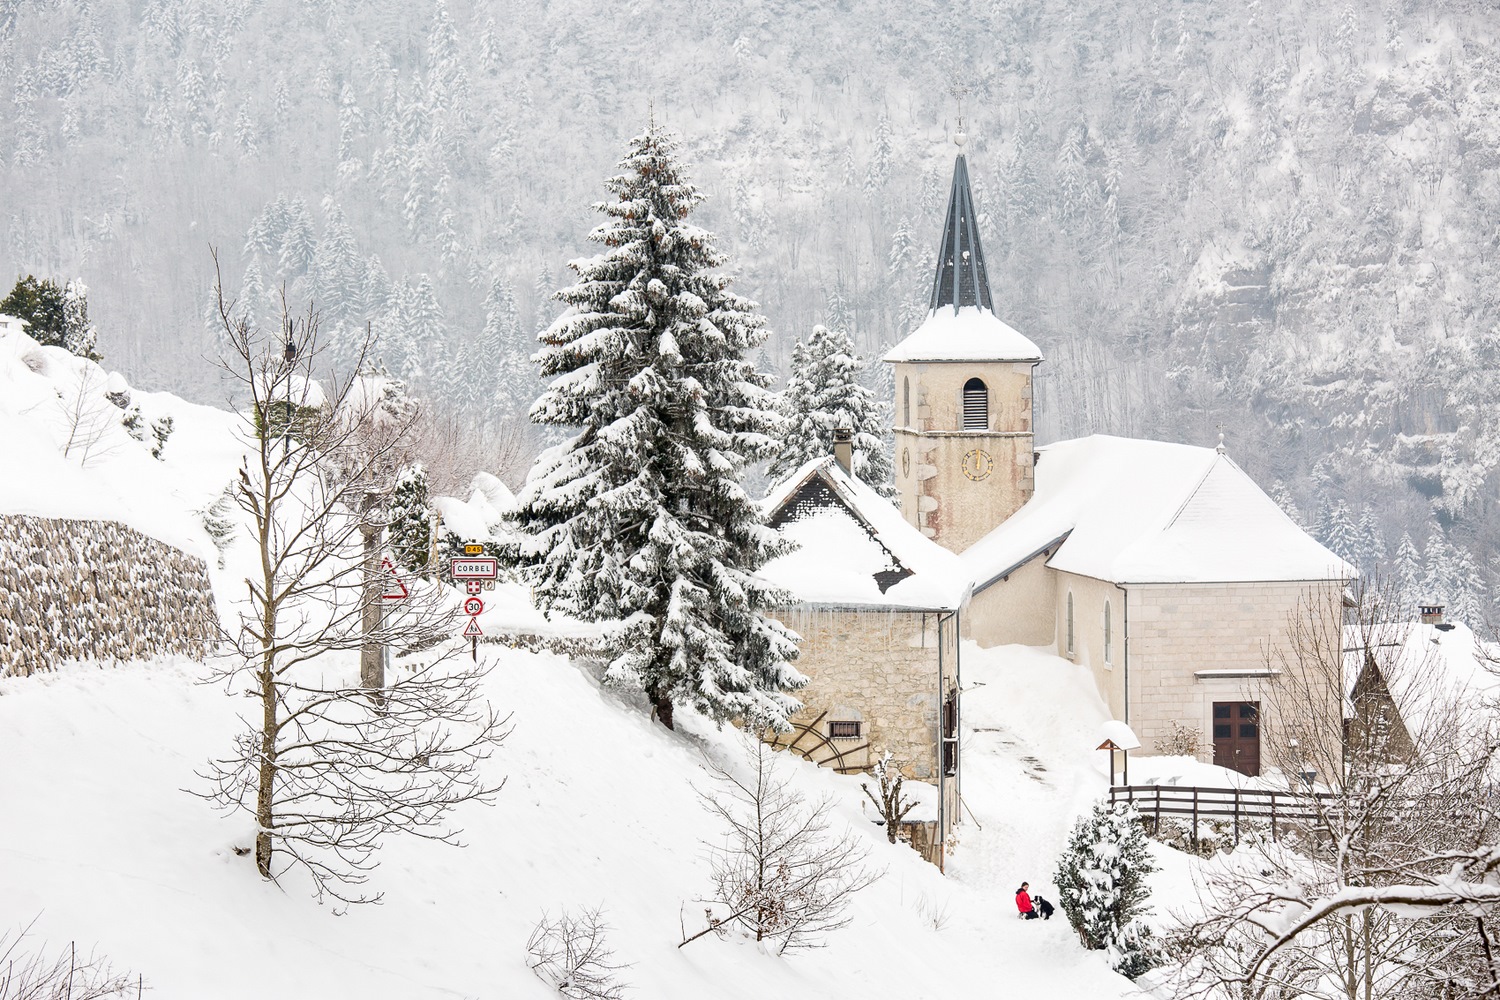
1244, 807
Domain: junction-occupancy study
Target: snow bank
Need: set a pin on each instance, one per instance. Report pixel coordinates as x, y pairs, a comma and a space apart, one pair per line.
58, 424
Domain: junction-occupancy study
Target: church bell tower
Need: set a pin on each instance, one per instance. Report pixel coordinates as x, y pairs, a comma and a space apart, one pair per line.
963, 413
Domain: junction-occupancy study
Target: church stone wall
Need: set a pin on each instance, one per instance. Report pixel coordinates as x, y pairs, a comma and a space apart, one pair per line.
1019, 610
950, 507
1177, 630
1090, 598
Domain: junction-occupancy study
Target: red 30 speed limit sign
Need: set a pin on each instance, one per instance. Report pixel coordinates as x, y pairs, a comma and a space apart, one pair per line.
473, 606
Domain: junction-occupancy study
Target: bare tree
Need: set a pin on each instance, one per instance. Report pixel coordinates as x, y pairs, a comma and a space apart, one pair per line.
781, 874
88, 416
1390, 889
570, 955
326, 770
67, 975
891, 804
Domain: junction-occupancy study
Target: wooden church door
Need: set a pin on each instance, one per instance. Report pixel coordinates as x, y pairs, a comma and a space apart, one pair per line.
1237, 736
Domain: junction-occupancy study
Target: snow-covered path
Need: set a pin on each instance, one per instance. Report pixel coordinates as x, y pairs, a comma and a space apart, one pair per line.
1030, 720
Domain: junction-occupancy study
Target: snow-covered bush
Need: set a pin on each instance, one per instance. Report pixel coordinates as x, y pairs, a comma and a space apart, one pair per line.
1180, 741
570, 955
1101, 884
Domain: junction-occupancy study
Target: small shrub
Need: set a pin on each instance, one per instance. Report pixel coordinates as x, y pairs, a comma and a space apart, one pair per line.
32, 975
570, 955
1180, 741
890, 803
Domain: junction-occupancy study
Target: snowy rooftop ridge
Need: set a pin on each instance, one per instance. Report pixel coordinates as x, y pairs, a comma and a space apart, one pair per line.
854, 550
1141, 512
968, 333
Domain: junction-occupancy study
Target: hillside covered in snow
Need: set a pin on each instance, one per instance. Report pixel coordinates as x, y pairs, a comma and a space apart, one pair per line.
599, 808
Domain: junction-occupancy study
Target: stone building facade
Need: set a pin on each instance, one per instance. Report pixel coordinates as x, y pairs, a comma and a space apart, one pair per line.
879, 616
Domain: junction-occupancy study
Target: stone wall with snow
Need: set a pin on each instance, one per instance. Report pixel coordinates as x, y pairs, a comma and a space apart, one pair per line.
96, 590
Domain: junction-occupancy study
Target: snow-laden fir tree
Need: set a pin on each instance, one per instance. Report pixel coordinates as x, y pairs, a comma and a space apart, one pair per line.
1408, 574
826, 392
1101, 886
641, 517
409, 521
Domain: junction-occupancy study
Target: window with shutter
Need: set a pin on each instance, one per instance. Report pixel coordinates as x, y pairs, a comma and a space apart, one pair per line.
976, 406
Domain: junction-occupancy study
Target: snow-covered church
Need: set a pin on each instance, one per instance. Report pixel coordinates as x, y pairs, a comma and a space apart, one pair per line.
1163, 568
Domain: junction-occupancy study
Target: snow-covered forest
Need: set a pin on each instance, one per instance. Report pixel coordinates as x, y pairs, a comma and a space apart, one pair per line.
1276, 218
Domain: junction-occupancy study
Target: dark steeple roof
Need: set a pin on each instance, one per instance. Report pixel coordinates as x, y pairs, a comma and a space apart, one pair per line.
961, 279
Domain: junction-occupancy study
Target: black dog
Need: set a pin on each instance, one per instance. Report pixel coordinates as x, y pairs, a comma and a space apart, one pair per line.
1042, 907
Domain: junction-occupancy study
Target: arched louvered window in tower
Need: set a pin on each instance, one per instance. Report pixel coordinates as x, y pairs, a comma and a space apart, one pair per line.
976, 406
906, 402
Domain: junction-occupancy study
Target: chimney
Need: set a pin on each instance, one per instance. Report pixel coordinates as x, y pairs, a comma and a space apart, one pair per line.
1432, 614
843, 448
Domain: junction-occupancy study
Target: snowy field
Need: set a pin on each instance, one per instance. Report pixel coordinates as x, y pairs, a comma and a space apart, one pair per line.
102, 845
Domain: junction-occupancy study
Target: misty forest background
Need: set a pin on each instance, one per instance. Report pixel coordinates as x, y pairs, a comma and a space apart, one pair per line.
1281, 219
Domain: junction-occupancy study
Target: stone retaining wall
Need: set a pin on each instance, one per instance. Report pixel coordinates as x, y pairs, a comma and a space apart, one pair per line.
96, 590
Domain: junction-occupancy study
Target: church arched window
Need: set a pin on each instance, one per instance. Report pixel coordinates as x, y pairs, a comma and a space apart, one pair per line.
1108, 636
906, 402
1070, 623
976, 405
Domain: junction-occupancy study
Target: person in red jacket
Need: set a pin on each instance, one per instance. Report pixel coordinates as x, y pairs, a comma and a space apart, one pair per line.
1023, 902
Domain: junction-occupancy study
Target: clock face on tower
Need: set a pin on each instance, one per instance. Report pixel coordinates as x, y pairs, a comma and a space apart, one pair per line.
978, 464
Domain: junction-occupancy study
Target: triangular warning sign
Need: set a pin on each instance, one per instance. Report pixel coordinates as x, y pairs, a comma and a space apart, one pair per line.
472, 630
395, 588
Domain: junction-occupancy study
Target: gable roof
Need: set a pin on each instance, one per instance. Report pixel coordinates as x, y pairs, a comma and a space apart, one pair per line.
1428, 670
1131, 511
854, 550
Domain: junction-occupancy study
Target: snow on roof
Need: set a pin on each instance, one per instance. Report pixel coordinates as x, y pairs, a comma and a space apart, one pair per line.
1131, 511
970, 333
15, 323
1120, 734
1426, 668
856, 551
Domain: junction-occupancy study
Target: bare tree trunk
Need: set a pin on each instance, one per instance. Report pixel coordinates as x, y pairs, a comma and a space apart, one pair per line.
371, 652
661, 705
265, 792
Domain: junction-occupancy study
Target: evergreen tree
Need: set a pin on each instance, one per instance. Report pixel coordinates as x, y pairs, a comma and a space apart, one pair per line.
1369, 542
1101, 886
1408, 573
58, 314
410, 521
1284, 500
826, 392
641, 517
1437, 576
1336, 530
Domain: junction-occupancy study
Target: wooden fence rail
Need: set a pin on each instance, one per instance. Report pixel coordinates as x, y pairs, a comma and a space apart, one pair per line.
1242, 806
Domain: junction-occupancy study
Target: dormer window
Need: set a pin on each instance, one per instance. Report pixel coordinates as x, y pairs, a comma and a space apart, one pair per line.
976, 406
